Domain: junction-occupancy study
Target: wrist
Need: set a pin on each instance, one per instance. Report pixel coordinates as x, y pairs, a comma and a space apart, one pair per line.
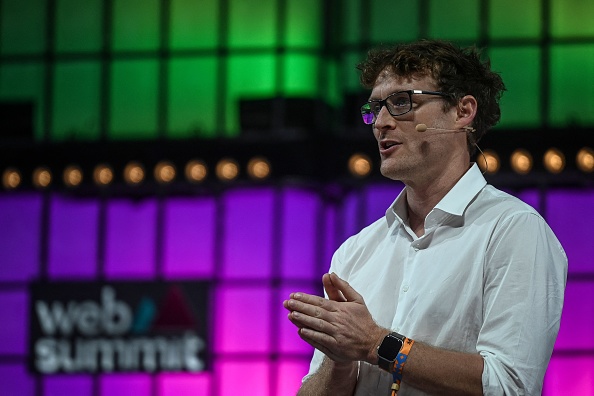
372, 357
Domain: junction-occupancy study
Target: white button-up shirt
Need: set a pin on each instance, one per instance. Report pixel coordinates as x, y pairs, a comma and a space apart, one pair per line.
488, 277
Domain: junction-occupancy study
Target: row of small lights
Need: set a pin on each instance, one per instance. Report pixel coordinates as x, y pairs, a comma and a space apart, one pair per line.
134, 173
259, 168
522, 162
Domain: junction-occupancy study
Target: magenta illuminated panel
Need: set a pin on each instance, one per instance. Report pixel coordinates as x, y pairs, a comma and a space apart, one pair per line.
183, 384
577, 320
569, 213
130, 239
20, 224
14, 316
569, 376
73, 237
248, 222
242, 322
243, 377
300, 217
67, 385
289, 374
189, 237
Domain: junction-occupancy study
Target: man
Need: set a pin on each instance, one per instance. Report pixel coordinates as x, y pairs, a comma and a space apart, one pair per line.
459, 289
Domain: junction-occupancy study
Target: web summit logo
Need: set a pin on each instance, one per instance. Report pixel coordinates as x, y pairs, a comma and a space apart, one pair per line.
78, 327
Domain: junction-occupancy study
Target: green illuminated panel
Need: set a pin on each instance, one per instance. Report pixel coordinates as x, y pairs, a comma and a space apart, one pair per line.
135, 24
332, 94
24, 82
22, 26
192, 97
78, 25
304, 23
194, 24
515, 19
301, 75
520, 70
572, 92
248, 77
133, 102
454, 19
349, 73
252, 23
397, 23
572, 18
352, 33
76, 101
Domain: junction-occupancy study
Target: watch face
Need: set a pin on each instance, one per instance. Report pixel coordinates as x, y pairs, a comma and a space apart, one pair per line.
390, 347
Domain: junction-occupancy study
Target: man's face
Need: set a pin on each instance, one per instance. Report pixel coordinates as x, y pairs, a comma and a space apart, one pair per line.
409, 155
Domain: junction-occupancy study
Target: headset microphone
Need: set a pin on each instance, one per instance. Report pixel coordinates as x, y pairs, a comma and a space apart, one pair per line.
424, 127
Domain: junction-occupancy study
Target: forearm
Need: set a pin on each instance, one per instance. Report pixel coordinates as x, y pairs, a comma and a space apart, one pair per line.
438, 371
331, 379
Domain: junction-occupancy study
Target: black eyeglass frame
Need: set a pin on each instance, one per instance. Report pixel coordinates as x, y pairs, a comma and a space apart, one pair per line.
383, 102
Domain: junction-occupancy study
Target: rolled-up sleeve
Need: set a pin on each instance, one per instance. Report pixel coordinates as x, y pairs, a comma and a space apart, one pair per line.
525, 272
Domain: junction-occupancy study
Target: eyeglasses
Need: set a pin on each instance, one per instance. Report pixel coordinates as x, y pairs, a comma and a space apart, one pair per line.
398, 103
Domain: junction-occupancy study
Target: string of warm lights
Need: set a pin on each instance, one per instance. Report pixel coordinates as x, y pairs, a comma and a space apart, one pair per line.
521, 161
134, 173
359, 166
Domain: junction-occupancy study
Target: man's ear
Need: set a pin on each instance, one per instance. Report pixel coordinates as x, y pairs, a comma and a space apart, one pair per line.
466, 111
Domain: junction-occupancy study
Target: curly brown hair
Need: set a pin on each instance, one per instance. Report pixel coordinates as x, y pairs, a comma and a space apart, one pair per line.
456, 71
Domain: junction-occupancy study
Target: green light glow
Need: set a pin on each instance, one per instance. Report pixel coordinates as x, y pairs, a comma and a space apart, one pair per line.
75, 105
22, 26
572, 18
78, 25
304, 24
454, 19
192, 97
301, 75
525, 21
383, 26
194, 24
135, 25
133, 107
520, 70
252, 23
572, 95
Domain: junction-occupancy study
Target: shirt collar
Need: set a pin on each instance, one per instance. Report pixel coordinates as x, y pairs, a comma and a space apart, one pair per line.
454, 202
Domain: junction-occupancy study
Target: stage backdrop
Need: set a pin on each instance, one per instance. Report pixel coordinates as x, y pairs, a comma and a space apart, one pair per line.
252, 246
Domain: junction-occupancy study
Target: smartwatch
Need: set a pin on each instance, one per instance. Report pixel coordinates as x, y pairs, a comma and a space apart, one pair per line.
388, 350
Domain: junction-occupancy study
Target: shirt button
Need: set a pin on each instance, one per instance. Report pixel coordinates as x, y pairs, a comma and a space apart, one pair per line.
405, 288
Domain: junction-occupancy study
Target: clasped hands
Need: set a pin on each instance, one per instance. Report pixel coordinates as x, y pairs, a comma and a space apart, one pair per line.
341, 326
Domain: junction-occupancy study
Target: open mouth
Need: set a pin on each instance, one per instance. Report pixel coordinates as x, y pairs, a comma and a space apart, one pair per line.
385, 145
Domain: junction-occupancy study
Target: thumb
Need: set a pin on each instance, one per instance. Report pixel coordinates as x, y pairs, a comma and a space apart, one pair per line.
333, 293
347, 291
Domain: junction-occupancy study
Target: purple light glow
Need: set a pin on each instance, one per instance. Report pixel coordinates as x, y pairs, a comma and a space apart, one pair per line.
299, 234
60, 385
577, 328
290, 373
130, 239
189, 237
125, 384
14, 314
248, 233
73, 238
20, 224
15, 380
568, 214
